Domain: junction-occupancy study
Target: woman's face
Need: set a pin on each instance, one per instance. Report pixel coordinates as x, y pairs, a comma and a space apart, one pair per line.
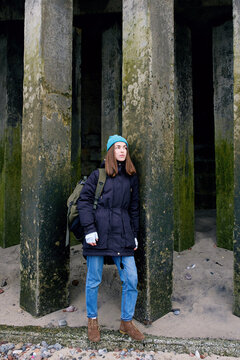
120, 151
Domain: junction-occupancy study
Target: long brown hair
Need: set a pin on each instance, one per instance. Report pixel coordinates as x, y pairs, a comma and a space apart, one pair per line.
111, 166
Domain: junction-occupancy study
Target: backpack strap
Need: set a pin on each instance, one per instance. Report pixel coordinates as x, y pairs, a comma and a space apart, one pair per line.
100, 185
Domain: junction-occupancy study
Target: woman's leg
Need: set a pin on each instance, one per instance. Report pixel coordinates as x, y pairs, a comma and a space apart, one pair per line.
128, 275
129, 280
94, 278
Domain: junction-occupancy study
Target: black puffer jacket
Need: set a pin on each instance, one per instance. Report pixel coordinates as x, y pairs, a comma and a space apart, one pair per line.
116, 219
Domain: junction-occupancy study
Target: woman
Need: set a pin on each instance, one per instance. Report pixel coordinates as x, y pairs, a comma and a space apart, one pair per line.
112, 231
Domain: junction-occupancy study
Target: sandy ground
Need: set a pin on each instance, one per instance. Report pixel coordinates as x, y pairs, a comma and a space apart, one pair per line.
205, 300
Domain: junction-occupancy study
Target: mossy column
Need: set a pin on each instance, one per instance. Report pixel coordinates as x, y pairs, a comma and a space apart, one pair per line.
111, 84
236, 94
148, 124
11, 77
46, 155
184, 154
223, 122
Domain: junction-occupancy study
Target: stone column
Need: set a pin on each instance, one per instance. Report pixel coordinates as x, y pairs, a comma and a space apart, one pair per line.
223, 122
46, 155
184, 153
11, 77
148, 124
111, 84
236, 95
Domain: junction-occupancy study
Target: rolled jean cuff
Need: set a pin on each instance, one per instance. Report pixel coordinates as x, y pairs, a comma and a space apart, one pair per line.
126, 319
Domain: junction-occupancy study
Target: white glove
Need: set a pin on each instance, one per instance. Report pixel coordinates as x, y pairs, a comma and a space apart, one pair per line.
136, 243
91, 238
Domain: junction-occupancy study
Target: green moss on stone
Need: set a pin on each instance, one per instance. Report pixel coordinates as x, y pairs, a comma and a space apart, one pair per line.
13, 189
10, 185
224, 192
236, 278
183, 194
236, 303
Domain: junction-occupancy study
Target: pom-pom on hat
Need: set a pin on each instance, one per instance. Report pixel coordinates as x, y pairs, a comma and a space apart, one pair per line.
115, 138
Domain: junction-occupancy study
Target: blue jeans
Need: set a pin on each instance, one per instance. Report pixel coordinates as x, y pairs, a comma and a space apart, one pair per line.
129, 279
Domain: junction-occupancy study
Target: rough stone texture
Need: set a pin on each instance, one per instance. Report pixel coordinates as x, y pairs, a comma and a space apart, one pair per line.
11, 74
184, 156
76, 103
148, 124
236, 94
111, 84
223, 120
46, 155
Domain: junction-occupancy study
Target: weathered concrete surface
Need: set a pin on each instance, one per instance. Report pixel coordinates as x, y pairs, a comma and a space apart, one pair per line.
111, 84
46, 155
111, 340
236, 92
148, 124
76, 106
184, 154
11, 77
223, 120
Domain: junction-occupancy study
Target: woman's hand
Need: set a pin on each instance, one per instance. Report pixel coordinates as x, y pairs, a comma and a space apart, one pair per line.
92, 238
136, 243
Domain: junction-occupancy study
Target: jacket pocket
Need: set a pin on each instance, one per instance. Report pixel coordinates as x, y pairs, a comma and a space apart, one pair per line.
102, 226
129, 235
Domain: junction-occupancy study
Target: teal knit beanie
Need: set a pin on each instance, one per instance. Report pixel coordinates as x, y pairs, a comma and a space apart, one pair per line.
115, 138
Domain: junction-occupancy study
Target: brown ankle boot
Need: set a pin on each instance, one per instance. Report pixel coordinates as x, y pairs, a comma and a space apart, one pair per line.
93, 330
128, 327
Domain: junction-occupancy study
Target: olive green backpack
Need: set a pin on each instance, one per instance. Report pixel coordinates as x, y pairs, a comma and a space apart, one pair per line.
73, 220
